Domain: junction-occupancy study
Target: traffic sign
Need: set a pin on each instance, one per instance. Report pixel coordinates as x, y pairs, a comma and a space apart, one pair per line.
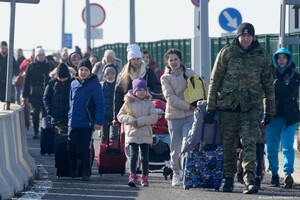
294, 18
96, 33
97, 15
68, 40
230, 19
196, 3
23, 1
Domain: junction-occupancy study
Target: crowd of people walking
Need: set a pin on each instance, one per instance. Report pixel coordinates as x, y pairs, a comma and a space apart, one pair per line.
252, 91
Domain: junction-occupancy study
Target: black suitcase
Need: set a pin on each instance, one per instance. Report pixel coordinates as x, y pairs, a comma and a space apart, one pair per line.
47, 136
62, 163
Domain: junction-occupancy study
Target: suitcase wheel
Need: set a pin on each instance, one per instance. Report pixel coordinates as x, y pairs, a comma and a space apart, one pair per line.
100, 170
122, 171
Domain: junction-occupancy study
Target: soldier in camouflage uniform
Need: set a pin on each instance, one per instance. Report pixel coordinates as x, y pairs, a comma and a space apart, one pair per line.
242, 78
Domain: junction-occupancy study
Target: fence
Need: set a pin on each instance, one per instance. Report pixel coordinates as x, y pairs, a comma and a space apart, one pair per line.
159, 48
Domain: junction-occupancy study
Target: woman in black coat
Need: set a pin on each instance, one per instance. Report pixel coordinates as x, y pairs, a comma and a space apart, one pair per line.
56, 98
135, 68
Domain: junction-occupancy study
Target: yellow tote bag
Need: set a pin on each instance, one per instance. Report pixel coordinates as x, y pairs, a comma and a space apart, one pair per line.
195, 90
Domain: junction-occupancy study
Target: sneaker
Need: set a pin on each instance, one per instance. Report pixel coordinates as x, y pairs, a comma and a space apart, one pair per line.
176, 179
228, 185
144, 181
132, 179
74, 168
257, 182
288, 181
275, 181
250, 187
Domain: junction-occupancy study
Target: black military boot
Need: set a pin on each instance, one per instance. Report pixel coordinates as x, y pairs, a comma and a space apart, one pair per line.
288, 181
275, 181
228, 185
257, 182
250, 187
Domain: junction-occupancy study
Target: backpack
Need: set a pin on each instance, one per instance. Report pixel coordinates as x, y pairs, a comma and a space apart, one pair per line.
195, 90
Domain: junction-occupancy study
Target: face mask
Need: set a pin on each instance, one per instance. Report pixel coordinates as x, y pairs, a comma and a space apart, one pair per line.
110, 81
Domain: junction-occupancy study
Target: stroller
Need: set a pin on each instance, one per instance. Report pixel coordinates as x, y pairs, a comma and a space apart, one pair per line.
159, 158
159, 153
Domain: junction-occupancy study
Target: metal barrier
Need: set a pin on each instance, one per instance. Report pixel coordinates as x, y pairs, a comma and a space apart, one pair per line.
159, 48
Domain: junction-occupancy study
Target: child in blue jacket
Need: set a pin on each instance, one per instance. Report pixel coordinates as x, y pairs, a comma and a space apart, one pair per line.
85, 115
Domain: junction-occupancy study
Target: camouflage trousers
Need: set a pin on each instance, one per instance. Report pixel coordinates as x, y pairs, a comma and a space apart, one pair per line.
244, 126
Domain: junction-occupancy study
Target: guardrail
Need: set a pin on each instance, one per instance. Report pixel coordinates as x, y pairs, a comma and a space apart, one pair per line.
17, 167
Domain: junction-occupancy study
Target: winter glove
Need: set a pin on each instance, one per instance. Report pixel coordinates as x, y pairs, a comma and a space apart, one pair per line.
267, 118
209, 117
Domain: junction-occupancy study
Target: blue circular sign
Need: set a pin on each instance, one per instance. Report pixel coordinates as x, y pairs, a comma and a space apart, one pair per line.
230, 19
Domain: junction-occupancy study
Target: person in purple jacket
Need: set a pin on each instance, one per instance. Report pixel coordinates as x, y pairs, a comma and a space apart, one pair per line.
86, 114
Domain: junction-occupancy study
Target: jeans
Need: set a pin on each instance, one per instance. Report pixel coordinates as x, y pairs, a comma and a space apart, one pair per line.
18, 91
37, 109
178, 129
134, 154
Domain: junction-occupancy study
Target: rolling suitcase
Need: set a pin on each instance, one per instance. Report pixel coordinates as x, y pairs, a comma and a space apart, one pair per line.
47, 136
203, 165
62, 163
111, 154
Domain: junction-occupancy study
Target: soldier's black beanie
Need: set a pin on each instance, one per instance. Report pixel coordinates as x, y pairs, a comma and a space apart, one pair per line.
85, 63
245, 28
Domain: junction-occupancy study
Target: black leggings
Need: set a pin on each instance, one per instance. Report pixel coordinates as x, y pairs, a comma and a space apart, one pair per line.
134, 154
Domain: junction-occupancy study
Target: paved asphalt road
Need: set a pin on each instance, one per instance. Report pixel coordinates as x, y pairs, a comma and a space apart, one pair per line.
112, 186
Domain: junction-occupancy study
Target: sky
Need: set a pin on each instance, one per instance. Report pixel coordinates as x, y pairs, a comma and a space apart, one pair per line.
40, 24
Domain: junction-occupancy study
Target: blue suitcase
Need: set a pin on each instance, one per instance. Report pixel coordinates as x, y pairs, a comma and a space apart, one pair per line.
203, 165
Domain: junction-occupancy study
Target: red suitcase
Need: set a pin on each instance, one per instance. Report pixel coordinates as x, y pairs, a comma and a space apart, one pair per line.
111, 155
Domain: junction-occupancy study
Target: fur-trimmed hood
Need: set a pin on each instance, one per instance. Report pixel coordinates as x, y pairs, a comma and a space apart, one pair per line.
53, 73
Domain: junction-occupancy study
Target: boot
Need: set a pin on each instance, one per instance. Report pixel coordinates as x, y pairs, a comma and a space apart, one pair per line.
257, 182
250, 187
288, 181
275, 181
74, 168
228, 185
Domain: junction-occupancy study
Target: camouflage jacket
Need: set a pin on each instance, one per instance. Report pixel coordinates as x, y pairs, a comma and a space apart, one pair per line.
242, 79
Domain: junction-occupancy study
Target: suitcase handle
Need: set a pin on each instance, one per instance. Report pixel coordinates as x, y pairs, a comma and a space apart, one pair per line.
119, 138
216, 124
